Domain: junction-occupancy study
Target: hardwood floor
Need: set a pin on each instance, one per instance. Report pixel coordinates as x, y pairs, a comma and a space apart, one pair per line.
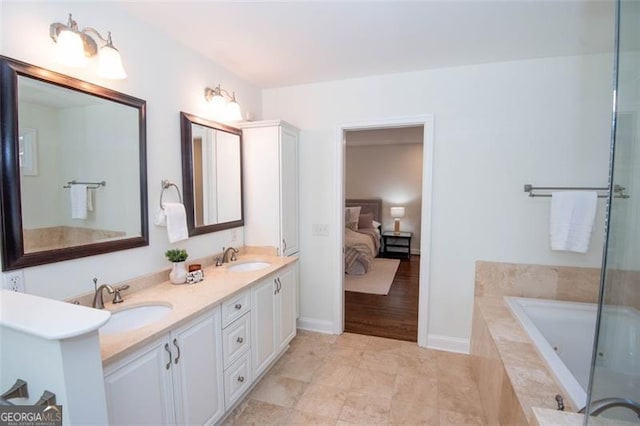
395, 315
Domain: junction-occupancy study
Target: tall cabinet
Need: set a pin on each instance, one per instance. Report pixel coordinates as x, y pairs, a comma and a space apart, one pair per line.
270, 174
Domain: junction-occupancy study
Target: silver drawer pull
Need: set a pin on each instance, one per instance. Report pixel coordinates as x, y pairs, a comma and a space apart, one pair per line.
241, 379
239, 340
238, 306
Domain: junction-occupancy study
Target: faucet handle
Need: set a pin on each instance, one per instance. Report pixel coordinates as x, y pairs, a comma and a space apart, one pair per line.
233, 256
218, 261
117, 298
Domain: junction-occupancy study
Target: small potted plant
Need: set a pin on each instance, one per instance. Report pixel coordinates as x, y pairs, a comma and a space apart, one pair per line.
178, 274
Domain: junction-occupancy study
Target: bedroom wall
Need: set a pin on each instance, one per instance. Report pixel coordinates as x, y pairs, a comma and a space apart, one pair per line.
496, 127
171, 78
392, 173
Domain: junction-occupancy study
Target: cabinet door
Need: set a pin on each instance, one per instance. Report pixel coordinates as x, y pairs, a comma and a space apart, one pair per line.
289, 191
261, 185
263, 325
197, 370
287, 308
138, 388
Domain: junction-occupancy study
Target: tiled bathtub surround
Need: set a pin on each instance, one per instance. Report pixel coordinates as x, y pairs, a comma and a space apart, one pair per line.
511, 376
541, 281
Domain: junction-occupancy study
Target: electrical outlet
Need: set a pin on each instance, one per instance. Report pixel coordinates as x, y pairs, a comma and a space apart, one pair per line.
14, 281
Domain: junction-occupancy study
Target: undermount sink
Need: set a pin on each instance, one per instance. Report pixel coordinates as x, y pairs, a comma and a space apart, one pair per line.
134, 317
248, 266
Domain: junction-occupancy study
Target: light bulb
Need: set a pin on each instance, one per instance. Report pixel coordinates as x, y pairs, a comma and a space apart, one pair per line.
70, 49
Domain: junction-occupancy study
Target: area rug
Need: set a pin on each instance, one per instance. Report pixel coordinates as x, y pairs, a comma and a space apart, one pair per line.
377, 281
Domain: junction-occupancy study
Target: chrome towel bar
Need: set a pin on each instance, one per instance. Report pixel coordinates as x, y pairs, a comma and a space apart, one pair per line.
617, 190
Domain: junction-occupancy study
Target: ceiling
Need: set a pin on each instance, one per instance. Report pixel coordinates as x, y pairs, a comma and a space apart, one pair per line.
273, 44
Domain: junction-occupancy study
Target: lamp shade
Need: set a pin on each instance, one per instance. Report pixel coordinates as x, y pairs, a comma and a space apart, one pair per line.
110, 63
397, 212
70, 49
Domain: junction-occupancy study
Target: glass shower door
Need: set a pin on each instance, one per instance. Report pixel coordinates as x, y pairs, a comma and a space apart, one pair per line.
616, 370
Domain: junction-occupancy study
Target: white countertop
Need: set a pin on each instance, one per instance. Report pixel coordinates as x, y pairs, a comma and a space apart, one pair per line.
48, 318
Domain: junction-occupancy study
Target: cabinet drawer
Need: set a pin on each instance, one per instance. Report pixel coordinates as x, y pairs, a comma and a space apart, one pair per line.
237, 379
235, 307
236, 338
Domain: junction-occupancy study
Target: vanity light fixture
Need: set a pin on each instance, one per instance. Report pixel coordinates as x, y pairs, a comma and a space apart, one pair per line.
74, 47
223, 104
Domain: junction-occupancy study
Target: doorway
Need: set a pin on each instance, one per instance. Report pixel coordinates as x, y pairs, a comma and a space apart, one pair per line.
426, 121
383, 183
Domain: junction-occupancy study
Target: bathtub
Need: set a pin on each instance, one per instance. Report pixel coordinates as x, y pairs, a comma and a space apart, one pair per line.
563, 333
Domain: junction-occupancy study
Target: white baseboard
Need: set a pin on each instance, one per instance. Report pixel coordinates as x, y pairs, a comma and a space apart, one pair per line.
312, 324
449, 344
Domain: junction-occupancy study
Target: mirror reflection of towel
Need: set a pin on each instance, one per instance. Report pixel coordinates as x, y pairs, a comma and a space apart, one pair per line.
78, 201
176, 222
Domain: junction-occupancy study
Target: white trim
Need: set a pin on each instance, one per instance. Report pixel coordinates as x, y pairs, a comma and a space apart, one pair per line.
312, 324
449, 344
425, 120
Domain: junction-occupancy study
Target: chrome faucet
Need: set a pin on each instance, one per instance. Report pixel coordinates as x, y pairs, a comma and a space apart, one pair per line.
226, 252
600, 405
98, 302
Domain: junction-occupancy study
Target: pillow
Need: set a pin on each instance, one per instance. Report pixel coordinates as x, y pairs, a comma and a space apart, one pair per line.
365, 221
351, 217
376, 224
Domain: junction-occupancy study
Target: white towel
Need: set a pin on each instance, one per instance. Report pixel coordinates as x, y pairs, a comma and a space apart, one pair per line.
176, 222
90, 199
78, 201
572, 216
161, 218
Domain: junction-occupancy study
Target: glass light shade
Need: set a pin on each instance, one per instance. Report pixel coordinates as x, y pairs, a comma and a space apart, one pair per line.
233, 112
70, 49
218, 104
397, 212
110, 64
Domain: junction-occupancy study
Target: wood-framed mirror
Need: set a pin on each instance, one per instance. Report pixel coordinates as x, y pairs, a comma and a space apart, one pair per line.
74, 167
211, 174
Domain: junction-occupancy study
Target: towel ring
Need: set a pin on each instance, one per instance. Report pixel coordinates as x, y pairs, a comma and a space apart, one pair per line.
166, 184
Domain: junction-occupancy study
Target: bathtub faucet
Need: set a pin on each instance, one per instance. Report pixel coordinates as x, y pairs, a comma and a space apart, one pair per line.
600, 405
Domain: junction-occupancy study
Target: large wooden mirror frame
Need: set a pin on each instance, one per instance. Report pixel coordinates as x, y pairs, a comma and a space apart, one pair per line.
212, 194
14, 255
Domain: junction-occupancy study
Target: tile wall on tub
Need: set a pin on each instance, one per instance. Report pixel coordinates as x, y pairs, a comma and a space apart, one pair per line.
540, 281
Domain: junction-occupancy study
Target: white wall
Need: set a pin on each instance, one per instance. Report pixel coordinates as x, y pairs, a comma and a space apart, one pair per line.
497, 127
392, 173
171, 78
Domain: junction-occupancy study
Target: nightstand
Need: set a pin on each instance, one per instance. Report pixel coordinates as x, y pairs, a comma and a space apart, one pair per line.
396, 244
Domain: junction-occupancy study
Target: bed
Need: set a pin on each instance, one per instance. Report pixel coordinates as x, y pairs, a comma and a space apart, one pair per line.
362, 234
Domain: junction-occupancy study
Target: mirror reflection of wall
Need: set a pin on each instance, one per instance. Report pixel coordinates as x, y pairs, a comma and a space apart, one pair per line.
74, 136
212, 174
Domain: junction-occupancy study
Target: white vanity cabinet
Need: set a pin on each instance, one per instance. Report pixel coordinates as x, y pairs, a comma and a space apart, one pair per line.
177, 379
273, 317
236, 347
270, 179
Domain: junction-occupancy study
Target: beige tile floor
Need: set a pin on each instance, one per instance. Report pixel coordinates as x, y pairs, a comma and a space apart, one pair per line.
356, 379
